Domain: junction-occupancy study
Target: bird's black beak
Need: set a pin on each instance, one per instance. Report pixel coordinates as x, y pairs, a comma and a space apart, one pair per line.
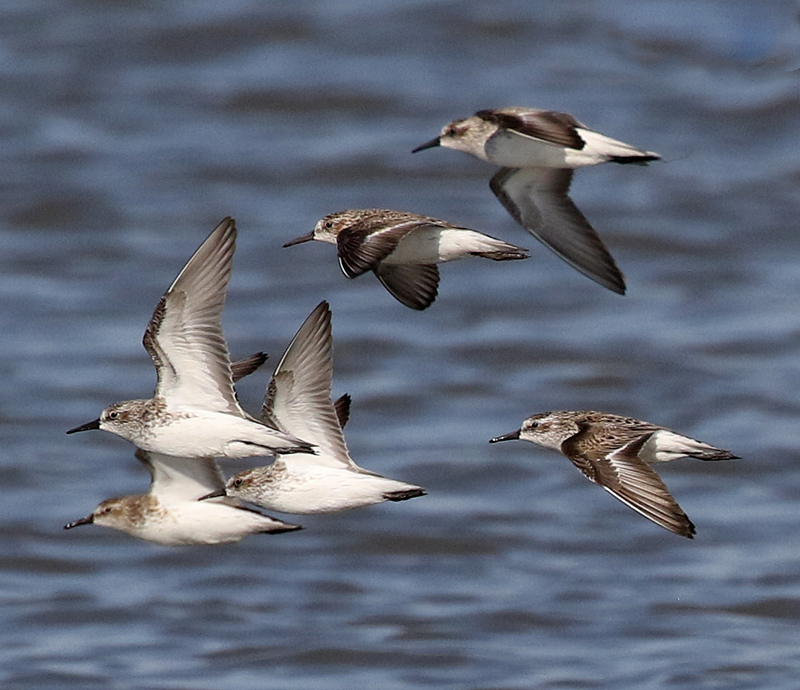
301, 239
86, 427
510, 436
427, 145
214, 494
88, 520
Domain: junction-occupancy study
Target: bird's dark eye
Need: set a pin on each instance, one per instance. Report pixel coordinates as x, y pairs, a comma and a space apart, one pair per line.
238, 482
451, 132
113, 415
329, 224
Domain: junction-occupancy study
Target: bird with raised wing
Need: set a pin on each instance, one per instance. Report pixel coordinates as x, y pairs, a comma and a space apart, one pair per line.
402, 249
616, 453
194, 412
298, 401
538, 151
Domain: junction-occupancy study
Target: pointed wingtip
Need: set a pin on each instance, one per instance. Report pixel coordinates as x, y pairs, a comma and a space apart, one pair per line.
226, 228
283, 528
685, 527
244, 367
404, 494
721, 455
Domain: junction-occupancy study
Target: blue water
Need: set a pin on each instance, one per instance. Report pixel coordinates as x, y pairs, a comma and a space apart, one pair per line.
129, 129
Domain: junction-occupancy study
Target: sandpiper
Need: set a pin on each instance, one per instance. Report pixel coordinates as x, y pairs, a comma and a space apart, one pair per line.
298, 401
616, 452
170, 513
402, 249
194, 412
537, 151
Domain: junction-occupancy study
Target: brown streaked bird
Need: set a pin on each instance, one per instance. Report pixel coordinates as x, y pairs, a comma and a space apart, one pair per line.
170, 514
616, 453
402, 249
537, 151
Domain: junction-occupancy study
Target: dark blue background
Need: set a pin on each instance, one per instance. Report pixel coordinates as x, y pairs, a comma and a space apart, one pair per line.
129, 129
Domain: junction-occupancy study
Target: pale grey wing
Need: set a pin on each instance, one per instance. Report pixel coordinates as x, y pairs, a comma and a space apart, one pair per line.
537, 198
543, 125
184, 336
181, 479
415, 285
298, 399
627, 477
363, 246
244, 367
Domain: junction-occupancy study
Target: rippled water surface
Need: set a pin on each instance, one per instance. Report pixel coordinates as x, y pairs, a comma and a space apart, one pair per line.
129, 129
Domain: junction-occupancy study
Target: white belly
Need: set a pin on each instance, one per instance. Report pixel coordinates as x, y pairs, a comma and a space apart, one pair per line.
512, 150
325, 490
210, 434
437, 245
199, 522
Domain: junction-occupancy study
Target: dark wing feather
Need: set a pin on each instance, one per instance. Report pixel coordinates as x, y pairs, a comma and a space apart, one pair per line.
244, 367
628, 478
537, 198
362, 247
342, 407
547, 125
415, 285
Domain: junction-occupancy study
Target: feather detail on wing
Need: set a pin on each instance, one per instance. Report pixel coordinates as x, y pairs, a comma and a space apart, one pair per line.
184, 337
298, 400
415, 285
342, 407
537, 198
546, 125
363, 246
628, 478
244, 367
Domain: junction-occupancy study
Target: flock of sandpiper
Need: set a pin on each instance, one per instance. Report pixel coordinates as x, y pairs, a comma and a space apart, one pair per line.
194, 416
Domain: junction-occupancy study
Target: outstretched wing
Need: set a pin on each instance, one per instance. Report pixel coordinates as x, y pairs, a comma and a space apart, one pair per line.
298, 399
537, 198
181, 479
184, 336
415, 285
627, 477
